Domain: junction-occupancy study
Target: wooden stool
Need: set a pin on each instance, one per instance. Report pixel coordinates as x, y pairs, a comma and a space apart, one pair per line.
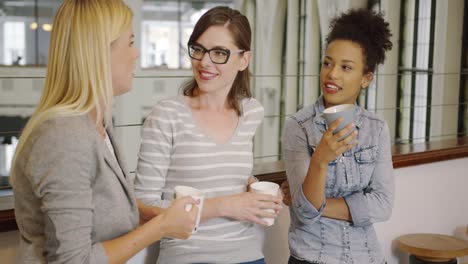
433, 248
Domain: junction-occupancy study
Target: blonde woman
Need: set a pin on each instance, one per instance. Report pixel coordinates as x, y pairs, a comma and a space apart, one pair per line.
74, 200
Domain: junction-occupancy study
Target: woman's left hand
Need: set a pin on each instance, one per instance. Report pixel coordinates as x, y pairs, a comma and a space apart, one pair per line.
253, 179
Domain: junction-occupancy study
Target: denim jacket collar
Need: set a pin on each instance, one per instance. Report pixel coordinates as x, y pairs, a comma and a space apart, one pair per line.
319, 107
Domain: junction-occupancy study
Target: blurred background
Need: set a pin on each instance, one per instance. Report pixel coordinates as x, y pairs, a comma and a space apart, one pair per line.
421, 90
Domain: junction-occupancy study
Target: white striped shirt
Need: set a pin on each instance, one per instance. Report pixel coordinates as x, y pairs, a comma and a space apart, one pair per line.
174, 151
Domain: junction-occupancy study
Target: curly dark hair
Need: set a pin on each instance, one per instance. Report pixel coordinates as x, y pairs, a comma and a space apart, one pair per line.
366, 28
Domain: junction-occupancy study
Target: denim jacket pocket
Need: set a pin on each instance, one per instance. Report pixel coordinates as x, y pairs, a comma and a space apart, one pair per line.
366, 158
331, 174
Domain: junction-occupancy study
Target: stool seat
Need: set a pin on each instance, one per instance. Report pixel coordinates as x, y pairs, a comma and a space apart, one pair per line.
433, 247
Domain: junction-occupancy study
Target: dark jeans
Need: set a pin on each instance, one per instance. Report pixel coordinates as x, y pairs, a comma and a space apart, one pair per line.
293, 260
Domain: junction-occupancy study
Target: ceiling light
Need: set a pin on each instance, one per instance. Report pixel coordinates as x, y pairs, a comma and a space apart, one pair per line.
33, 26
47, 27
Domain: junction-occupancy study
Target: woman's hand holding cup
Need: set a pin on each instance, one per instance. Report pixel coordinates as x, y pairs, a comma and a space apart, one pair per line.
251, 206
181, 191
341, 134
178, 222
334, 143
268, 188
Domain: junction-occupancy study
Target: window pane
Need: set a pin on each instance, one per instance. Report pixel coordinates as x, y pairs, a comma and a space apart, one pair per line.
415, 70
408, 35
13, 46
166, 28
420, 108
424, 33
405, 106
25, 31
422, 63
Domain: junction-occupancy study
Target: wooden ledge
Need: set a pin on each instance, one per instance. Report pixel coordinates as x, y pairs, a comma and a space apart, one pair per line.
403, 156
421, 153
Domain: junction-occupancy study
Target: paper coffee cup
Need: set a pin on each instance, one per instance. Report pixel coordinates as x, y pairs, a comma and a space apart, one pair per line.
183, 191
346, 111
270, 188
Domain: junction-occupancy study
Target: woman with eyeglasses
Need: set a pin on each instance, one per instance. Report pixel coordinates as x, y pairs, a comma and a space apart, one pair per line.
203, 139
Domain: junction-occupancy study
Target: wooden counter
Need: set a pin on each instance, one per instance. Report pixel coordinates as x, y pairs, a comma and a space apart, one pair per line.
403, 156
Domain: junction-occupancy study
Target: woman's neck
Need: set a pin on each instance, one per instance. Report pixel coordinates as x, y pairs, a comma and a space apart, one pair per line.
210, 101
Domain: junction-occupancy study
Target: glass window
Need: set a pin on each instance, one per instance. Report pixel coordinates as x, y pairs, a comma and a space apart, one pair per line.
166, 28
415, 70
13, 50
25, 31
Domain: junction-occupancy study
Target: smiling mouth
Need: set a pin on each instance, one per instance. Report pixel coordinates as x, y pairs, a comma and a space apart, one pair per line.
332, 88
206, 75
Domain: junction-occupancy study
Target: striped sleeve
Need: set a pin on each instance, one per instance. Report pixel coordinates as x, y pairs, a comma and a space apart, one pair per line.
154, 157
254, 111
254, 114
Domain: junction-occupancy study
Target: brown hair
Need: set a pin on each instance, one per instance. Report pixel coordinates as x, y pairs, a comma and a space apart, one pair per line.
239, 27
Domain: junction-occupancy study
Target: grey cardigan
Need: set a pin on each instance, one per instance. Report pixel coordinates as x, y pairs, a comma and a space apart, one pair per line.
71, 194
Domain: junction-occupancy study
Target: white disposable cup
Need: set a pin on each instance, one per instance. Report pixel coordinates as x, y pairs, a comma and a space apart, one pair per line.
184, 191
270, 188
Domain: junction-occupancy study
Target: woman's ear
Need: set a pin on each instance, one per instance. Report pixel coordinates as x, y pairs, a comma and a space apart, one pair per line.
366, 80
245, 60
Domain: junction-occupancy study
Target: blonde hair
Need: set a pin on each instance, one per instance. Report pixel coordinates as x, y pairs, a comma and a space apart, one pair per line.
78, 76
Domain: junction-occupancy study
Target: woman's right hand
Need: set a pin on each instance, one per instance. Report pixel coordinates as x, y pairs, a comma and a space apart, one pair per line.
249, 206
176, 221
331, 146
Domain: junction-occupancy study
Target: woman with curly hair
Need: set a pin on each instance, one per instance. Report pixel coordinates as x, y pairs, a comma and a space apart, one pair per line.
340, 187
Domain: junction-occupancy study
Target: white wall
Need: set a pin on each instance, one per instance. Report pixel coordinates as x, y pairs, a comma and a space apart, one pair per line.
429, 198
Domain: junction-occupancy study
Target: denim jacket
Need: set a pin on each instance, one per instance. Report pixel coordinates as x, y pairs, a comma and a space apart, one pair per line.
363, 176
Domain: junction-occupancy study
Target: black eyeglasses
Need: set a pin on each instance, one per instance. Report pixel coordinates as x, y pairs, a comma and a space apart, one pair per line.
217, 55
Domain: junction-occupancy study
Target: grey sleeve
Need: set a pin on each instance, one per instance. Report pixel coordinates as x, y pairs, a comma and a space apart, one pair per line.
375, 204
296, 160
154, 157
61, 170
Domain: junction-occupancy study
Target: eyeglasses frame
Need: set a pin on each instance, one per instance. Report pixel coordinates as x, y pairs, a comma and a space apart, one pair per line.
209, 50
